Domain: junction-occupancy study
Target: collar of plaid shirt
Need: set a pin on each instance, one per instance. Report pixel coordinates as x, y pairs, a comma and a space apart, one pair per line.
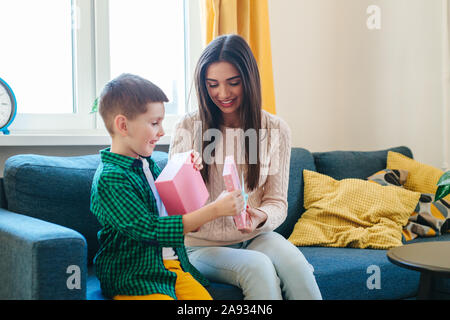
124, 161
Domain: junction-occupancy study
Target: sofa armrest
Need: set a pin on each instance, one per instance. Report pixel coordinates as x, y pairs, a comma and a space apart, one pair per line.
40, 260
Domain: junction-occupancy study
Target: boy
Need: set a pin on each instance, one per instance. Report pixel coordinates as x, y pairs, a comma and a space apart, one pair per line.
142, 253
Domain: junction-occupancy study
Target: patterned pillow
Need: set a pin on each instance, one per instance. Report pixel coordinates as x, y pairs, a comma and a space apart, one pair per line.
388, 177
430, 218
422, 178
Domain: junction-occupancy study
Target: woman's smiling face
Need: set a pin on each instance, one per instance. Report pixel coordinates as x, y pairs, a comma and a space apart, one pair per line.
224, 84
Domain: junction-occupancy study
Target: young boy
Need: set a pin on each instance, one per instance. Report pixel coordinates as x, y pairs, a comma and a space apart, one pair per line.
142, 253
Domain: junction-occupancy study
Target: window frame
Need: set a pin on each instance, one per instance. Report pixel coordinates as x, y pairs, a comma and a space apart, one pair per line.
91, 72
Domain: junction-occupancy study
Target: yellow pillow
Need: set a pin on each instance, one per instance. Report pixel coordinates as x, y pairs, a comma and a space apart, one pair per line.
422, 177
352, 213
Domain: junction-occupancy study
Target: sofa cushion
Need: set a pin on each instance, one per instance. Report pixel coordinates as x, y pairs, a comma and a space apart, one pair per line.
354, 164
57, 190
218, 291
343, 273
300, 159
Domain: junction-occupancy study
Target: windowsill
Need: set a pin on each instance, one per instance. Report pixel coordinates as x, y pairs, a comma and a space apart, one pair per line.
91, 138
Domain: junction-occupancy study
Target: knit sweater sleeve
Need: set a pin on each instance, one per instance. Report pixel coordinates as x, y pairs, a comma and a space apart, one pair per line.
274, 198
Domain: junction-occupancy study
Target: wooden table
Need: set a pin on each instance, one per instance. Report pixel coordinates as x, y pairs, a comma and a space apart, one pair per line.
431, 259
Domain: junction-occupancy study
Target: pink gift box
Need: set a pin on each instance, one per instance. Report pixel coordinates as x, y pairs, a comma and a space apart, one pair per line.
231, 180
180, 186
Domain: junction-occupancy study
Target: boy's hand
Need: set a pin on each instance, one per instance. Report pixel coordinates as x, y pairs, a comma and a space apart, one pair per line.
229, 203
196, 160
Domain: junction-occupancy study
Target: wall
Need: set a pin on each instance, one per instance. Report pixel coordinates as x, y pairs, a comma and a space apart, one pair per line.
342, 86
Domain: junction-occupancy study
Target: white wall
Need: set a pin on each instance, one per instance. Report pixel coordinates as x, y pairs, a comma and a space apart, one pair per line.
341, 86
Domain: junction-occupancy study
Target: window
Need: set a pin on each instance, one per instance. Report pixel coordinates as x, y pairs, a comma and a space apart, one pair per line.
147, 38
36, 55
62, 53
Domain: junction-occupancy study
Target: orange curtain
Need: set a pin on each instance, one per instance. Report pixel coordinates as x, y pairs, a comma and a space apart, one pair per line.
249, 19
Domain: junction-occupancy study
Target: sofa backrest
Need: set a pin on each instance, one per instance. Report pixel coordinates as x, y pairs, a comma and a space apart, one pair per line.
354, 164
300, 159
57, 190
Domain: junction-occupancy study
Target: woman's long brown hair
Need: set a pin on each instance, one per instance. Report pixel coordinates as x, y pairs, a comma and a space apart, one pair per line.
235, 50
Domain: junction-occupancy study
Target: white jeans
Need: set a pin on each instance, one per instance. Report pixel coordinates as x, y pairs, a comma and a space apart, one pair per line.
267, 267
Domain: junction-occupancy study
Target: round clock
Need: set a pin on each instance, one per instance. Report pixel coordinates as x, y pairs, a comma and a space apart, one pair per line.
8, 106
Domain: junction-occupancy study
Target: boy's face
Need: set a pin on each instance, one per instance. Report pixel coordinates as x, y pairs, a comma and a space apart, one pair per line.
144, 131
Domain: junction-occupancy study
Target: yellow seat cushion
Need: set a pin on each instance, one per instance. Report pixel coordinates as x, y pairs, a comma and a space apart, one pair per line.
352, 213
422, 178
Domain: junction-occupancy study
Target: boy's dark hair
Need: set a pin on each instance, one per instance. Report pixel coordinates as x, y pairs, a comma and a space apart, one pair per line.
128, 94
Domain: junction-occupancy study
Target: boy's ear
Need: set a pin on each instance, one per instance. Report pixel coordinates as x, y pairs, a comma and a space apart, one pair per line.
120, 125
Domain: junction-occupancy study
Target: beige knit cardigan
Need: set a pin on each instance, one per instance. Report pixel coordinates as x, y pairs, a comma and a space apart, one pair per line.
271, 195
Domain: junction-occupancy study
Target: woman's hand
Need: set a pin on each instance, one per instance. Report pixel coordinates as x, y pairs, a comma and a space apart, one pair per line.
256, 218
196, 159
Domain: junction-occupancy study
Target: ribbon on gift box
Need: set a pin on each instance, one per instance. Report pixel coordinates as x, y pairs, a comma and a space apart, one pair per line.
231, 180
245, 195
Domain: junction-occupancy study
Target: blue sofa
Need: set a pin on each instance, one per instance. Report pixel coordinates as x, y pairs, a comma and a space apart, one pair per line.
48, 237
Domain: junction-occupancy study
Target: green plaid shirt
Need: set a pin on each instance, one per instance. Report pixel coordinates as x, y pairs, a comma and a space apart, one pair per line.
129, 261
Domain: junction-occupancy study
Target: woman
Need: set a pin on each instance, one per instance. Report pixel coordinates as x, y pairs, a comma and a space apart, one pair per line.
230, 121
